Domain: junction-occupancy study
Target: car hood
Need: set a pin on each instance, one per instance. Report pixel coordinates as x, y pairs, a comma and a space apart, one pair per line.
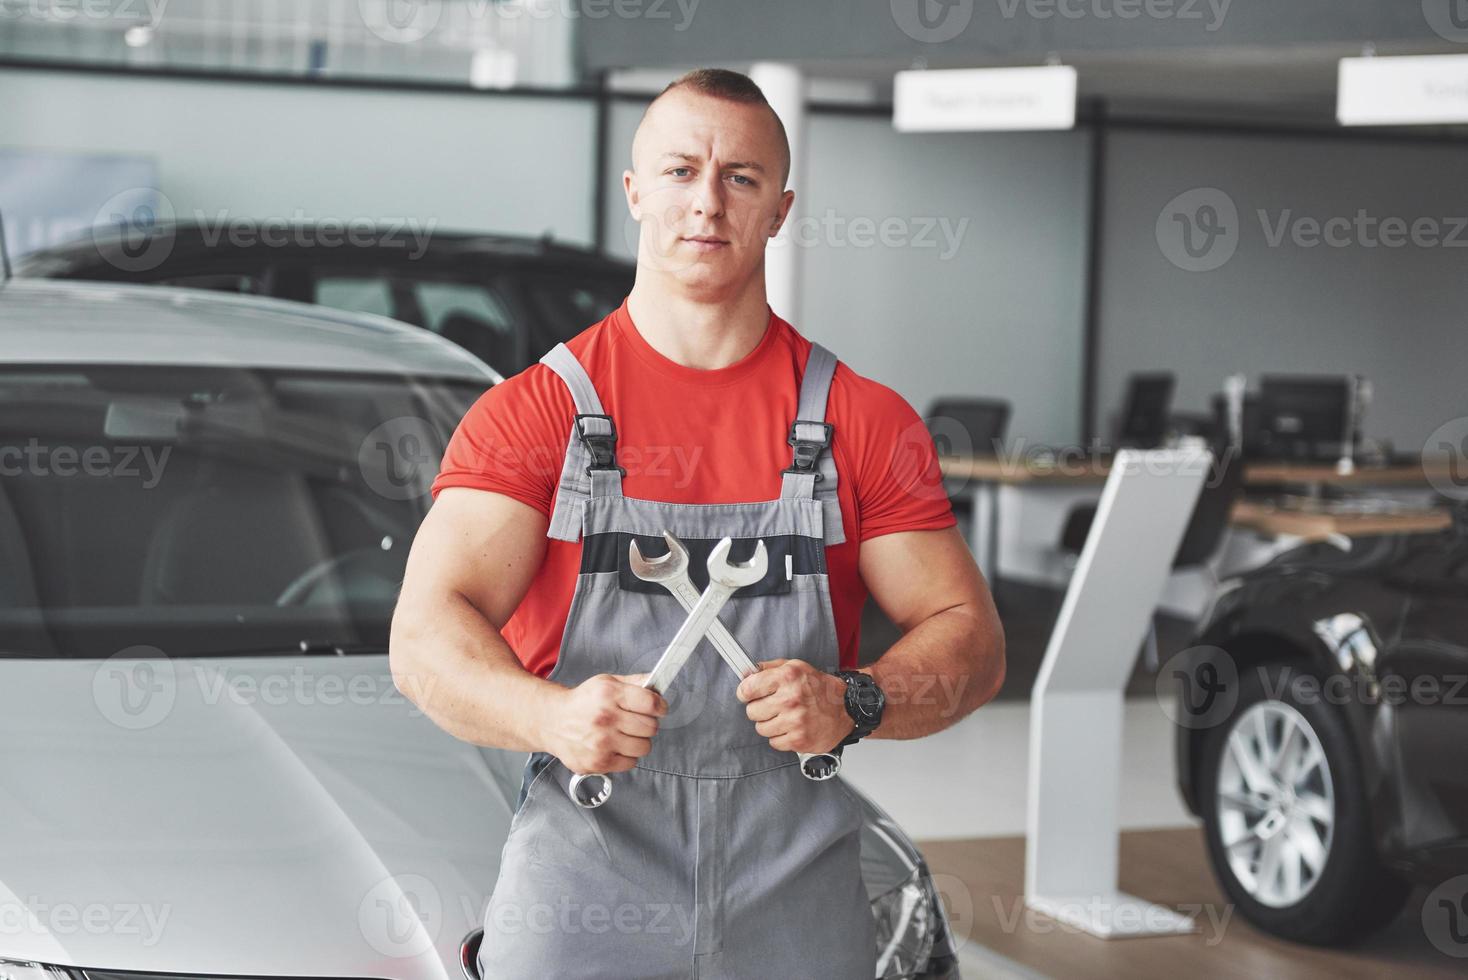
291, 816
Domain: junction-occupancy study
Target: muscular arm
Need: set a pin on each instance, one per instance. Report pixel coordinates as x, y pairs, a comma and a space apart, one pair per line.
950, 659
471, 562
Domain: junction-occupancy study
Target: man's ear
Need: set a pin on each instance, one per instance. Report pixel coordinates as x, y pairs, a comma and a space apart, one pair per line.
782, 212
634, 197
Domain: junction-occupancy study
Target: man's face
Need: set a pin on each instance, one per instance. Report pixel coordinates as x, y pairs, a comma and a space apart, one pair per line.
707, 190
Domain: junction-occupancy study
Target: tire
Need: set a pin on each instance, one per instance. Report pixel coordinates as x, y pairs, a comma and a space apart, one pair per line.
1333, 891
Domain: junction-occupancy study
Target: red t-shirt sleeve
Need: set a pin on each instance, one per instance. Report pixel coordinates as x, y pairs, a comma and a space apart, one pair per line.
512, 440
899, 486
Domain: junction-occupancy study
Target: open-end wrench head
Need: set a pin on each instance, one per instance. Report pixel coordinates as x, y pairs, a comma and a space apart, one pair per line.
733, 576
662, 568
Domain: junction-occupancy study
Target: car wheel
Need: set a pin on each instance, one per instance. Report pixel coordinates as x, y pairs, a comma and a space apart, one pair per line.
1285, 816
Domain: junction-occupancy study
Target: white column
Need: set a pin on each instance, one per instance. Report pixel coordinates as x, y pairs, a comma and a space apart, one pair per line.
784, 87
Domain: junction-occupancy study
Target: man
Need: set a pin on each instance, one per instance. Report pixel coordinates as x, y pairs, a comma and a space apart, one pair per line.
678, 413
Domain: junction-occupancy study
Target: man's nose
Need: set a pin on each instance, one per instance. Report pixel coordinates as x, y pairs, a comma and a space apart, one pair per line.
708, 198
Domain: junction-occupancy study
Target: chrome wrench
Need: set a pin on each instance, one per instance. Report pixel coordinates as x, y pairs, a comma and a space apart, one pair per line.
591, 789
671, 572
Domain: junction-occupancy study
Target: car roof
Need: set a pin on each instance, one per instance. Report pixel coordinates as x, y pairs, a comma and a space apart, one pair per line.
187, 239
67, 322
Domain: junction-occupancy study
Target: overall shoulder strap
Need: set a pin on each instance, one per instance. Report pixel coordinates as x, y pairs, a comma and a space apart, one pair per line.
812, 472
591, 468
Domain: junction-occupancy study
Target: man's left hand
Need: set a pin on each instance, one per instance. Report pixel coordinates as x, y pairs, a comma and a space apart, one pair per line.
796, 706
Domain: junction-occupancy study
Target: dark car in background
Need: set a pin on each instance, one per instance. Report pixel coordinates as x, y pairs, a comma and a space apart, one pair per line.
505, 299
1323, 718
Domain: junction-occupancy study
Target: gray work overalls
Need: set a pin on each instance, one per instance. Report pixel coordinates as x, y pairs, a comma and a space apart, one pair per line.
714, 857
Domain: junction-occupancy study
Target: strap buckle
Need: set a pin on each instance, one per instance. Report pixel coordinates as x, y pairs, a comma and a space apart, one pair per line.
601, 445
808, 451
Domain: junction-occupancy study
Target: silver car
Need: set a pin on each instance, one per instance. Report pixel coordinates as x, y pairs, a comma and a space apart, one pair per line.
206, 503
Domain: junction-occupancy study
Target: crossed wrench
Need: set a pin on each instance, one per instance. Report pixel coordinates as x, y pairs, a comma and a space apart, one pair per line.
591, 789
671, 572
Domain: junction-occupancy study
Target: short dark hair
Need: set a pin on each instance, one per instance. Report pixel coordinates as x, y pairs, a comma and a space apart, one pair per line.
732, 86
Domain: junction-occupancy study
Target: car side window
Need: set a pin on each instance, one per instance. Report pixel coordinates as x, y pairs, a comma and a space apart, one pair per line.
473, 317
359, 294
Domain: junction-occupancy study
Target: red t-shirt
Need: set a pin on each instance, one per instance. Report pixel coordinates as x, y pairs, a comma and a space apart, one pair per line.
697, 437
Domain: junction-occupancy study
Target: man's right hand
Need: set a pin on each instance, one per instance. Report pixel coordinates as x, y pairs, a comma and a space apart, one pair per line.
605, 723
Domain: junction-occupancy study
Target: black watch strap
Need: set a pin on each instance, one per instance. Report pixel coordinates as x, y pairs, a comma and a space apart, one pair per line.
864, 704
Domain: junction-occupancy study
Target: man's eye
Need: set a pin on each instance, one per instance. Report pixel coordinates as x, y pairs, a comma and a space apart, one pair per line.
744, 178
675, 170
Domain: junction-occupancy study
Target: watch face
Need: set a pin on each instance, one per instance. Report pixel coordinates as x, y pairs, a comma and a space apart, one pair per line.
868, 697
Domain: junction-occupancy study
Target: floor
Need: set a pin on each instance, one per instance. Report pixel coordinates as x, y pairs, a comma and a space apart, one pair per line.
982, 881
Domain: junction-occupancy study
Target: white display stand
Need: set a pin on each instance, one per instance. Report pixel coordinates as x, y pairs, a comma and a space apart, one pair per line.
1076, 706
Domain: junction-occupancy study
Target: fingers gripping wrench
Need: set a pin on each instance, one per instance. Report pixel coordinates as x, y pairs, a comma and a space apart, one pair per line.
592, 789
671, 572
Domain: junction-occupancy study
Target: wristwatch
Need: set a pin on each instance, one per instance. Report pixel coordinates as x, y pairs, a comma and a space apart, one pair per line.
864, 703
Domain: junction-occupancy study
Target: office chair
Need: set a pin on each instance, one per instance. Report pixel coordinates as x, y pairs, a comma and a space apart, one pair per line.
961, 426
1144, 418
1203, 535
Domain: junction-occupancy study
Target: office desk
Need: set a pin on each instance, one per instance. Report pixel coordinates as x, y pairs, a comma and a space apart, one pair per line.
986, 474
1432, 469
1311, 525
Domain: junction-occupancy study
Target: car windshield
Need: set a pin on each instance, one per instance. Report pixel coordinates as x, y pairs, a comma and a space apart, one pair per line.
188, 511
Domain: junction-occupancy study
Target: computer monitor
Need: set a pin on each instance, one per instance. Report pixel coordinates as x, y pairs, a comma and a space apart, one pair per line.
1304, 417
1148, 404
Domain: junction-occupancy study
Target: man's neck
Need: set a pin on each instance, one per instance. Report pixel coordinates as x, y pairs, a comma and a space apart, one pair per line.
696, 333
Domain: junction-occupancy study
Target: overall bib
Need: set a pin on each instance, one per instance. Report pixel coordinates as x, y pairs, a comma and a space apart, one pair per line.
715, 856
